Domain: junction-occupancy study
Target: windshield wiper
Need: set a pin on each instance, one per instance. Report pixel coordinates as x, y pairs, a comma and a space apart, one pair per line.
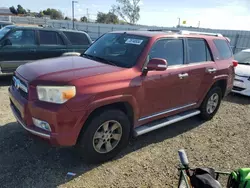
100, 59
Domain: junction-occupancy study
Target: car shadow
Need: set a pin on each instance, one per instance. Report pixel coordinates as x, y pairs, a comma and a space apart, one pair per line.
5, 80
237, 98
26, 161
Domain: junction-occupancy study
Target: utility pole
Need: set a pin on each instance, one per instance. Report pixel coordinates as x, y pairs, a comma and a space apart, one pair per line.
87, 15
73, 13
199, 23
179, 22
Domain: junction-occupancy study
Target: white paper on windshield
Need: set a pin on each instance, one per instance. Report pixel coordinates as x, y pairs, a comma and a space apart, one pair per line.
134, 41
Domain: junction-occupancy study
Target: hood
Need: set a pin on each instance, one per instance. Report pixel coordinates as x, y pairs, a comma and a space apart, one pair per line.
242, 70
63, 69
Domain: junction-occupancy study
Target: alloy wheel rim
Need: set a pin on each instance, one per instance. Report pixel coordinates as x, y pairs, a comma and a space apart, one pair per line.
212, 103
107, 136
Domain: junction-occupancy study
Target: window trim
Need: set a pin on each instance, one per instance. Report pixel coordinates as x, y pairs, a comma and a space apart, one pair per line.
57, 35
20, 29
69, 41
167, 38
219, 54
208, 47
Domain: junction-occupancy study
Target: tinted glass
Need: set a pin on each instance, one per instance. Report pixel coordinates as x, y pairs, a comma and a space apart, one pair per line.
198, 51
119, 49
22, 37
169, 49
223, 48
50, 38
77, 38
3, 31
243, 57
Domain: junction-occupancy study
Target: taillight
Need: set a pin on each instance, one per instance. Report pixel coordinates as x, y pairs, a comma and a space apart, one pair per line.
235, 63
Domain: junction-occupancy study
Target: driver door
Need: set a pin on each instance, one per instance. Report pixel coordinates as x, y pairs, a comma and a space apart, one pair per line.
164, 91
20, 49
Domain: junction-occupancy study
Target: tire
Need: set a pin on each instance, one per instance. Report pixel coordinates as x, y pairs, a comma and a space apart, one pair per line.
96, 141
209, 114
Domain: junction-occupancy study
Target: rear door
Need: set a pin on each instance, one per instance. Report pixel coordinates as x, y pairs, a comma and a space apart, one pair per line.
22, 49
79, 41
202, 68
51, 44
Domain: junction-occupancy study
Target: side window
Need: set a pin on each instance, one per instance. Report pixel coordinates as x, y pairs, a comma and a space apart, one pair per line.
77, 38
169, 49
198, 51
223, 48
50, 38
22, 38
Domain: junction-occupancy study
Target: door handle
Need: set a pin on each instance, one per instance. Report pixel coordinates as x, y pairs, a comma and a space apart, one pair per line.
211, 70
184, 75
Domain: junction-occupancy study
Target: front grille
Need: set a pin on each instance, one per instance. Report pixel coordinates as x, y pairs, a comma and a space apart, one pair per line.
238, 88
20, 90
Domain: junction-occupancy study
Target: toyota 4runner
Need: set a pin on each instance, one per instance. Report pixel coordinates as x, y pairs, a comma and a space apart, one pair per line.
125, 84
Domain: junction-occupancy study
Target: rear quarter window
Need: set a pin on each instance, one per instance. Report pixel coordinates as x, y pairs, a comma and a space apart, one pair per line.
77, 38
225, 51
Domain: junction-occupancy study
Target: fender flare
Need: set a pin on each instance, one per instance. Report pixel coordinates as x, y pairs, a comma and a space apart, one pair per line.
112, 100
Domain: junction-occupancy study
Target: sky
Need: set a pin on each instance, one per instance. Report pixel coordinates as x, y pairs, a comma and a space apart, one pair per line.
216, 14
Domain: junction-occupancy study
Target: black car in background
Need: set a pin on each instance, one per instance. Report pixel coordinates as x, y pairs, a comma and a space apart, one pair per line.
19, 45
4, 23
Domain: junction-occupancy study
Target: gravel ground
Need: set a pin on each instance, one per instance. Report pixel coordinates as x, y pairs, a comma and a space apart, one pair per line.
149, 160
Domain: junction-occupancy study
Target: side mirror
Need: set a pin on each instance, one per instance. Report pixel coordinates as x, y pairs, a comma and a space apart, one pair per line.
157, 64
6, 42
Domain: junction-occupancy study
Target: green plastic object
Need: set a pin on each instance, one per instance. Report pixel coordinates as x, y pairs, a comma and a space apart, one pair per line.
242, 177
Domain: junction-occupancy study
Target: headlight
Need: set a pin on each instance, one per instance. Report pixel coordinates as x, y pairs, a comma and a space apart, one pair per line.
55, 94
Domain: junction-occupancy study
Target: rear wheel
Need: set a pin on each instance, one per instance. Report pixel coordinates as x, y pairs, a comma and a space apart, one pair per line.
211, 103
105, 136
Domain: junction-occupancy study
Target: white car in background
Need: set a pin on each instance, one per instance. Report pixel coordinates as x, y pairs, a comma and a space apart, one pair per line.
242, 73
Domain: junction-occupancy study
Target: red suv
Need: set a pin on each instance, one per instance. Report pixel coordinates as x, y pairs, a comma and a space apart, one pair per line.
125, 84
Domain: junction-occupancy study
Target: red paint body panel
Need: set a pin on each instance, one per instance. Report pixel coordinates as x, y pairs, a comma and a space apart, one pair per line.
99, 84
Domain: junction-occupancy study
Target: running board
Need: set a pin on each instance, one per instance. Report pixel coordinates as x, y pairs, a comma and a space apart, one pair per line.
164, 122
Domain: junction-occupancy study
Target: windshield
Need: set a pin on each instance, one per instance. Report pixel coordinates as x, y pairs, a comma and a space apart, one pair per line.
118, 49
3, 31
243, 57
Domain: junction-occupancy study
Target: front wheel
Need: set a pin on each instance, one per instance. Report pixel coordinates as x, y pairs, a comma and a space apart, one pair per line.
211, 103
105, 136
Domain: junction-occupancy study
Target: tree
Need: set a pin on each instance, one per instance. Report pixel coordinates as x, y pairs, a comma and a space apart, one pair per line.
21, 10
53, 13
128, 10
67, 18
40, 14
84, 19
13, 10
107, 18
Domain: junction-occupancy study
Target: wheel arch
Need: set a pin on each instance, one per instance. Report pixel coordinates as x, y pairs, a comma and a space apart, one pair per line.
222, 83
129, 107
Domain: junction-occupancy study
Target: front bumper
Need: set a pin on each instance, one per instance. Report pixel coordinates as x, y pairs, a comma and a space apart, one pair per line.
65, 124
241, 85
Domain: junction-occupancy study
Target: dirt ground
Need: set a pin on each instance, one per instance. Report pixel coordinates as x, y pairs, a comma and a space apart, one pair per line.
149, 160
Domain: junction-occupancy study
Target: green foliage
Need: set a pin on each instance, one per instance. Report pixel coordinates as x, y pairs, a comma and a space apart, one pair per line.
13, 10
107, 18
128, 10
67, 18
84, 19
20, 10
54, 14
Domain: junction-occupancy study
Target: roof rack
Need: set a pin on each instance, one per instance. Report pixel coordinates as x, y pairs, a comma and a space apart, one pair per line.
186, 32
200, 33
